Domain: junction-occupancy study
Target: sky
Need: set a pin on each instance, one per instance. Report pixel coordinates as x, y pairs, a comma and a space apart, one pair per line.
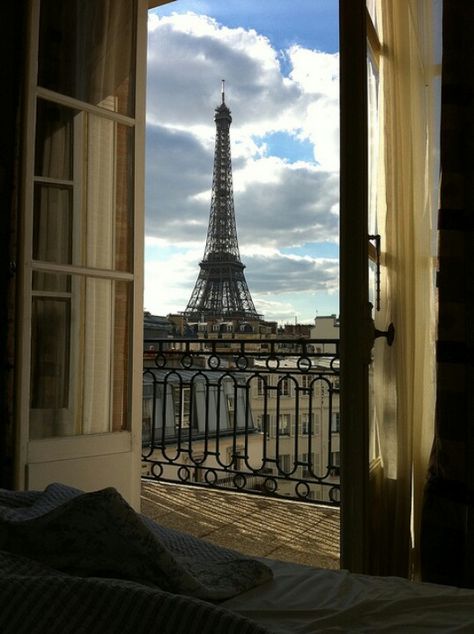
280, 62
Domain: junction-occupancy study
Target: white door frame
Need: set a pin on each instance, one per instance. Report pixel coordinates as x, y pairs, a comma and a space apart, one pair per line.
96, 460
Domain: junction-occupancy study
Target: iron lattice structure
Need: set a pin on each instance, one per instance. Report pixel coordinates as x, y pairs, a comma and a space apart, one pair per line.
221, 291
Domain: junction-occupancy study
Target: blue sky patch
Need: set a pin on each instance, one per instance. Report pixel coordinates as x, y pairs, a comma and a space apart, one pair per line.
314, 250
287, 146
309, 23
161, 251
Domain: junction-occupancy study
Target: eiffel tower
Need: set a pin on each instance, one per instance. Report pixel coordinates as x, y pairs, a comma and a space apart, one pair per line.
221, 291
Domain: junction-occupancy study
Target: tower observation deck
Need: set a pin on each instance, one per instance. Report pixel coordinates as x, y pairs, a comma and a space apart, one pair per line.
221, 291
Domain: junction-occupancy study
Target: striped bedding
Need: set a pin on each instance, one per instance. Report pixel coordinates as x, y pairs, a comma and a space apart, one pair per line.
74, 562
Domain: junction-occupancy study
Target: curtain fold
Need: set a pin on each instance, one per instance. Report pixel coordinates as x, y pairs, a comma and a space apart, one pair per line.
403, 373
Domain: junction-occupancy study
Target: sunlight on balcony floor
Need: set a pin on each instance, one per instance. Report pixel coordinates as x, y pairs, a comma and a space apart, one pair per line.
254, 525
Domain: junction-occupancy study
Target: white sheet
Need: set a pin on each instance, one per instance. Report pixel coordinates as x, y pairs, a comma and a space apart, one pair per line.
303, 600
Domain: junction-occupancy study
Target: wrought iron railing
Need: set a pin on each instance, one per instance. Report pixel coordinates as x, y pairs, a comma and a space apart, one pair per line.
254, 415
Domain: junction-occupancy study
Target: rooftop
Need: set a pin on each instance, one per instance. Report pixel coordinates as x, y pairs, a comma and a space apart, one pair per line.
254, 525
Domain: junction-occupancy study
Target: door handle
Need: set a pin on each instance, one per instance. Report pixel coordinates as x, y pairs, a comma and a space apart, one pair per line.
389, 333
374, 333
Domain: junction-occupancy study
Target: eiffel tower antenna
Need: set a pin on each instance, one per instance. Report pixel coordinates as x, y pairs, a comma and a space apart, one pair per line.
221, 291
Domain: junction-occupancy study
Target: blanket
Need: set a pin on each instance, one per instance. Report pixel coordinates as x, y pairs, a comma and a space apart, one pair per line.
38, 600
62, 545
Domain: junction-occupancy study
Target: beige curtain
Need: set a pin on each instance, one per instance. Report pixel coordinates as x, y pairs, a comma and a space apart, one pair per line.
404, 373
97, 298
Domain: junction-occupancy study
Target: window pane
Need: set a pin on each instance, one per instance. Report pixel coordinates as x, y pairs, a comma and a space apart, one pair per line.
372, 9
109, 203
87, 51
124, 198
56, 282
54, 140
52, 233
121, 338
373, 283
95, 354
101, 217
80, 356
50, 353
373, 145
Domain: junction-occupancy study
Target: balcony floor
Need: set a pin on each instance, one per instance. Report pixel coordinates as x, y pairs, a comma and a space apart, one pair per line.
254, 525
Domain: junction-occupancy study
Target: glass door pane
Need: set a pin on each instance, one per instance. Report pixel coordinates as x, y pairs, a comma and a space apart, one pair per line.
87, 51
80, 355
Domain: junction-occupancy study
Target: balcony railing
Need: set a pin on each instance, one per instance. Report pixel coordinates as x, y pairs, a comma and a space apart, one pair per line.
253, 415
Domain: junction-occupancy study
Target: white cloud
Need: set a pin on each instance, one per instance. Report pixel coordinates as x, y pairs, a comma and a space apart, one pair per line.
188, 57
169, 281
269, 274
279, 204
284, 273
317, 73
281, 311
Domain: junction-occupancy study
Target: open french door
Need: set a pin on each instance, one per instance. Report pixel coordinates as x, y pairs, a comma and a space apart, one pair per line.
80, 272
361, 280
387, 392
354, 286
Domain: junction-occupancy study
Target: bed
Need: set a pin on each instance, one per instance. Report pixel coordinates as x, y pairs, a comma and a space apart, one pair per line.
303, 600
73, 562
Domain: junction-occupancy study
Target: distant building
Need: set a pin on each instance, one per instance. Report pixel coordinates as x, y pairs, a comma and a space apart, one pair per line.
196, 422
231, 328
325, 327
181, 327
157, 327
296, 330
300, 411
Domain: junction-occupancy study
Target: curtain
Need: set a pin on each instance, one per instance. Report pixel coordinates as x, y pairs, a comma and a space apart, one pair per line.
97, 294
403, 373
447, 529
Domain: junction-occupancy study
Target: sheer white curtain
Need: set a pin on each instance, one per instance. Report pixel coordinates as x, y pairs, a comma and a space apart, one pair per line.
98, 293
404, 374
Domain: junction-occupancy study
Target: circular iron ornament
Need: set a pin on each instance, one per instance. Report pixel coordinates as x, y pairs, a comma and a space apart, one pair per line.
241, 362
160, 360
239, 481
186, 361
270, 485
272, 363
146, 452
304, 364
332, 362
184, 474
302, 489
213, 362
210, 476
157, 470
335, 495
